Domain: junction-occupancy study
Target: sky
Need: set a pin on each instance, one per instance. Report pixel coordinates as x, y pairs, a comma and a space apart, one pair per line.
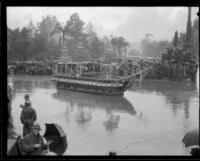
130, 22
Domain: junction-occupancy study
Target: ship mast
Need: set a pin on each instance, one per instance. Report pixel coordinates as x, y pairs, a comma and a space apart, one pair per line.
64, 53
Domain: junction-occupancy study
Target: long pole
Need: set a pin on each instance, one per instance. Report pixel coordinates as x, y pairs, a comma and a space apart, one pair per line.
140, 72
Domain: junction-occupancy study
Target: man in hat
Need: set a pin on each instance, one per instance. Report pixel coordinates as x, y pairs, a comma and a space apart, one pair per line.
33, 143
27, 118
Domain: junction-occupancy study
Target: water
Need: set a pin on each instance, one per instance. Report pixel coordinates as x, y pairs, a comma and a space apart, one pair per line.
151, 118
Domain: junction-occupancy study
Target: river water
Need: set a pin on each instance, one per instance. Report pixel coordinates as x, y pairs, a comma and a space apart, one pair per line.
150, 119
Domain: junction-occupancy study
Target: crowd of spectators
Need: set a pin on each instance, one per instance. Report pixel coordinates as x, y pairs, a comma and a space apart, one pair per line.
172, 70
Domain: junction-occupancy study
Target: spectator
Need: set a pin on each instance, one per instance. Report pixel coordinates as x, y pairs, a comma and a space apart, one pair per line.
27, 101
27, 118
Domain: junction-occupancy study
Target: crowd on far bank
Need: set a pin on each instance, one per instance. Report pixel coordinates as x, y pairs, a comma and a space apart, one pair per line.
161, 70
30, 67
172, 70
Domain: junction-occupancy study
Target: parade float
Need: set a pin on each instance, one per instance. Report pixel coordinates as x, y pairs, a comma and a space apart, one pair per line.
95, 77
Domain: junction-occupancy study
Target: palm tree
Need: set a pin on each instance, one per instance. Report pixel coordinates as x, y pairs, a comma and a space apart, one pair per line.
125, 45
9, 38
114, 42
175, 41
120, 43
59, 29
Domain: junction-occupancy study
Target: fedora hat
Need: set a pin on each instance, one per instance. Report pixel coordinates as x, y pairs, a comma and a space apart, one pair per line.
36, 126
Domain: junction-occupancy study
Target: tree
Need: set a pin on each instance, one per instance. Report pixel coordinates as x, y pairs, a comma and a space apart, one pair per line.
39, 46
175, 41
18, 43
167, 54
106, 42
97, 47
181, 40
45, 43
154, 48
134, 52
33, 42
59, 29
160, 47
125, 45
89, 28
178, 55
12, 43
114, 42
118, 44
9, 39
72, 32
60, 42
149, 37
46, 26
25, 41
148, 48
195, 38
91, 36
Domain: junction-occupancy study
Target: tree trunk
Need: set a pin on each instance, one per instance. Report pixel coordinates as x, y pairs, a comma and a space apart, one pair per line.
119, 50
63, 34
24, 53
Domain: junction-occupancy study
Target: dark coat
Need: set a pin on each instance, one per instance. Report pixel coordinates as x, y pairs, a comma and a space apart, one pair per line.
28, 117
28, 144
28, 113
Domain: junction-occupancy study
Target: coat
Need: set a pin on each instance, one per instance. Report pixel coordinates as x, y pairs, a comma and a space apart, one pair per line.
28, 144
28, 117
28, 114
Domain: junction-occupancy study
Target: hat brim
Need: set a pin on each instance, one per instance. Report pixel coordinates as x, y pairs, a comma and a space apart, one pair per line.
36, 129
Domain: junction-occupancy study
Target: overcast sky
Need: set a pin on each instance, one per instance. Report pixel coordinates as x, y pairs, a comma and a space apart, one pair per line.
130, 22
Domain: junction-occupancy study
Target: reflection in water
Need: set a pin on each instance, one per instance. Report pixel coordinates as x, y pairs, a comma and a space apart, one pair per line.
163, 86
176, 93
108, 103
142, 117
86, 102
186, 108
29, 82
22, 84
83, 116
112, 122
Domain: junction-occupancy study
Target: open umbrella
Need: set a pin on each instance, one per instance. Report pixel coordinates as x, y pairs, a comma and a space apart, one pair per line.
55, 134
191, 138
